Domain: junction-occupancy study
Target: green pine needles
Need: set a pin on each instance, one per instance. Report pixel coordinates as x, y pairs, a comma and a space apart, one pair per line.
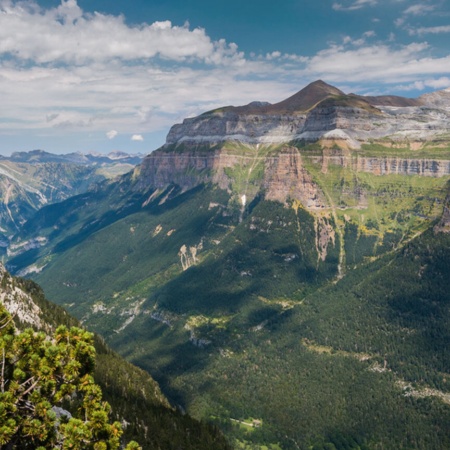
48, 397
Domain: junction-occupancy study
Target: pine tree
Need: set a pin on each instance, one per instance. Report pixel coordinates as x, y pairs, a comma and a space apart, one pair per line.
48, 397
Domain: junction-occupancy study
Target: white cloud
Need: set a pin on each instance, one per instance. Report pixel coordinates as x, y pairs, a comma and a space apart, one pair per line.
430, 30
419, 9
377, 62
137, 138
439, 83
354, 5
111, 134
369, 33
95, 74
358, 42
68, 35
273, 55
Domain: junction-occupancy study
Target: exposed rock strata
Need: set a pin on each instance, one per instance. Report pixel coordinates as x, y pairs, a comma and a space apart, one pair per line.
195, 152
386, 165
18, 303
224, 126
284, 177
321, 111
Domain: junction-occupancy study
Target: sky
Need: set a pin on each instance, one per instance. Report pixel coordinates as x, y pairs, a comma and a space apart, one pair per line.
102, 75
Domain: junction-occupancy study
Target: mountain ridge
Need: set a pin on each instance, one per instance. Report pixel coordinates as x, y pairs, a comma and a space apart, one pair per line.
321, 111
30, 180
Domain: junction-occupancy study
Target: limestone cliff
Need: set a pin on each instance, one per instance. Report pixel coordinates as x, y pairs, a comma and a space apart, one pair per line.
384, 165
262, 149
284, 175
286, 178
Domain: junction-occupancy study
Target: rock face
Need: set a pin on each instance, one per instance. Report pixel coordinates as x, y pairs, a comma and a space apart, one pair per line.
286, 178
18, 303
320, 111
385, 165
223, 126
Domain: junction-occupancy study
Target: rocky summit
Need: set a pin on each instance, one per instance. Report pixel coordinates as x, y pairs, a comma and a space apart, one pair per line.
323, 112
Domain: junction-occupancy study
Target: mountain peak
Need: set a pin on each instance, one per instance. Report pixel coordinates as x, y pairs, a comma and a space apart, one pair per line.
308, 97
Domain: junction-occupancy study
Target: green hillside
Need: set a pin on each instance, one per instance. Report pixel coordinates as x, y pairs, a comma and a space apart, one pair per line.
135, 398
286, 326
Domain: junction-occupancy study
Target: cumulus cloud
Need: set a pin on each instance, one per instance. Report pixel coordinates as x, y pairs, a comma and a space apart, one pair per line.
111, 134
419, 9
68, 35
371, 63
137, 138
430, 30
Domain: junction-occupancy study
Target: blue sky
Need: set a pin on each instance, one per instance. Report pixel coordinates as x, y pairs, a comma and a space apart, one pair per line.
102, 75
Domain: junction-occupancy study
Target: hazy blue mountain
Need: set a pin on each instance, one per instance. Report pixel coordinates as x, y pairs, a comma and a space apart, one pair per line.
31, 180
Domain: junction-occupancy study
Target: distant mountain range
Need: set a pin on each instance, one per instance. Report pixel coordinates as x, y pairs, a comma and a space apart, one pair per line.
281, 270
30, 180
41, 156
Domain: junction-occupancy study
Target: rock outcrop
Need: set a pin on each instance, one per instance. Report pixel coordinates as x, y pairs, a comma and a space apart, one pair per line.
384, 165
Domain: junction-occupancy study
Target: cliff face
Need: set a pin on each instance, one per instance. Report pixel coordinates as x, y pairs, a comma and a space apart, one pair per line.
286, 178
386, 165
223, 126
229, 145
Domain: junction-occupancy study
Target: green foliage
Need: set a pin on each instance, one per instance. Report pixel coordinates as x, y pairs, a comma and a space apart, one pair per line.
39, 374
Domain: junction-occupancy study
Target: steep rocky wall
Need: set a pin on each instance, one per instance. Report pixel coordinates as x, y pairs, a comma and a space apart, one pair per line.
251, 128
285, 177
386, 165
356, 125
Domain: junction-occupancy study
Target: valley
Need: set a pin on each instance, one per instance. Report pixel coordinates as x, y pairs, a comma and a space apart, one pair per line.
284, 263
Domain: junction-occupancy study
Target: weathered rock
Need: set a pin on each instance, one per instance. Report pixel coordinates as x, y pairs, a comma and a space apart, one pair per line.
286, 178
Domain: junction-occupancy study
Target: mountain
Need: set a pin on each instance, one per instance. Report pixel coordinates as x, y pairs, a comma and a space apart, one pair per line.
322, 112
41, 156
30, 180
135, 398
282, 271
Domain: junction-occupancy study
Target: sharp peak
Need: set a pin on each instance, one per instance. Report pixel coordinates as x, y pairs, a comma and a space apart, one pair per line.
319, 83
308, 97
321, 86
